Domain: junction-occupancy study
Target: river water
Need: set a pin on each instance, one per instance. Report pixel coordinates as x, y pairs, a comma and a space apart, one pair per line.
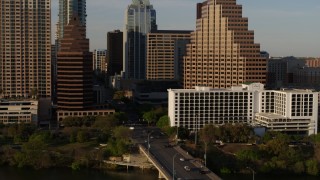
10, 173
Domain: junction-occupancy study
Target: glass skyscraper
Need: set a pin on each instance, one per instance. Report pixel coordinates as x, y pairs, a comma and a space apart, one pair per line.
140, 19
67, 8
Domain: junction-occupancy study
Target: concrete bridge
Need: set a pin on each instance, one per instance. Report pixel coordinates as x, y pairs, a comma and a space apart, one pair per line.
171, 161
163, 173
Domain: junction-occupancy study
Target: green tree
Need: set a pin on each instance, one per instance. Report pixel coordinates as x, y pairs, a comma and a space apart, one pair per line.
209, 134
34, 153
82, 136
122, 133
105, 123
150, 117
312, 167
121, 117
299, 167
247, 155
163, 122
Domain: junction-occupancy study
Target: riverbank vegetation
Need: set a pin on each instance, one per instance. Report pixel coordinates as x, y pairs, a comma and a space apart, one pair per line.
83, 142
235, 149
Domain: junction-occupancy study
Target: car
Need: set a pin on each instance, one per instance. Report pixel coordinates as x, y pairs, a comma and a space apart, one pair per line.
187, 168
201, 171
182, 159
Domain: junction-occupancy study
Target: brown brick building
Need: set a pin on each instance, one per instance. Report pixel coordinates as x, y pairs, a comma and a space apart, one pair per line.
222, 52
74, 69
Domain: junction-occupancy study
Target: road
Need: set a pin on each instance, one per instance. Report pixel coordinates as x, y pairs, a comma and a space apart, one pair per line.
163, 152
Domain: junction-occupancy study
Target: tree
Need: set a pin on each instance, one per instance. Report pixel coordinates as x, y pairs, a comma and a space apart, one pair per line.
163, 122
122, 133
119, 95
105, 123
34, 153
209, 134
82, 136
150, 117
121, 117
312, 167
183, 133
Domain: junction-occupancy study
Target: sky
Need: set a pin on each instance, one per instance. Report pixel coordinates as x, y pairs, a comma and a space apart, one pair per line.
282, 27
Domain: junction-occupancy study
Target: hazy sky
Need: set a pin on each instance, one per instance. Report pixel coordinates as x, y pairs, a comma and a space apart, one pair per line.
282, 27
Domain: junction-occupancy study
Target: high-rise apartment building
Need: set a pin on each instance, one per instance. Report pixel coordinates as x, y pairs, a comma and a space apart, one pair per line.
165, 50
99, 60
115, 52
222, 52
25, 48
74, 79
140, 20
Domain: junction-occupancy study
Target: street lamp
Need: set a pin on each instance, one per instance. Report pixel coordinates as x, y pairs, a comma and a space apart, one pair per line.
149, 141
174, 156
196, 130
205, 154
252, 172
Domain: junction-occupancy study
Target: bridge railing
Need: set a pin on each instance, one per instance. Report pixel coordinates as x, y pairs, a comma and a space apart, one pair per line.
165, 173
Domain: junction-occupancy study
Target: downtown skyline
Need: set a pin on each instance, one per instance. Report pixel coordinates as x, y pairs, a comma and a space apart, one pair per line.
285, 28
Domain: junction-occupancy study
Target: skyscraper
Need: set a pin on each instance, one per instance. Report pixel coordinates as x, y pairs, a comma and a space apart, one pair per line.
74, 79
164, 54
140, 20
115, 52
99, 61
222, 52
25, 48
68, 8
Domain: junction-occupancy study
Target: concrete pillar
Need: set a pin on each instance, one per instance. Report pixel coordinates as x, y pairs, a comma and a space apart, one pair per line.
161, 176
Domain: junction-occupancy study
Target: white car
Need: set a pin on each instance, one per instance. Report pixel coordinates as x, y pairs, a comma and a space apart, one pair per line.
187, 168
182, 159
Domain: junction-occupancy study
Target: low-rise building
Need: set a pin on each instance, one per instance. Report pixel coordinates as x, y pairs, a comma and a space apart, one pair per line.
101, 112
16, 112
289, 110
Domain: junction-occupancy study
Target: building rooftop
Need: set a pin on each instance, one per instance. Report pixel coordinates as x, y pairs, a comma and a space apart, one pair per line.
271, 115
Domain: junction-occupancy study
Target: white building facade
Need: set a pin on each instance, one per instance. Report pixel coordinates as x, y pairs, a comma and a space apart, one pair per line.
284, 110
16, 112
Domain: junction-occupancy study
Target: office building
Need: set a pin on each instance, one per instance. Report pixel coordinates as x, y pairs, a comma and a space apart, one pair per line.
222, 52
281, 71
100, 61
287, 110
140, 19
313, 62
25, 51
17, 112
165, 51
74, 79
67, 9
307, 77
115, 52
